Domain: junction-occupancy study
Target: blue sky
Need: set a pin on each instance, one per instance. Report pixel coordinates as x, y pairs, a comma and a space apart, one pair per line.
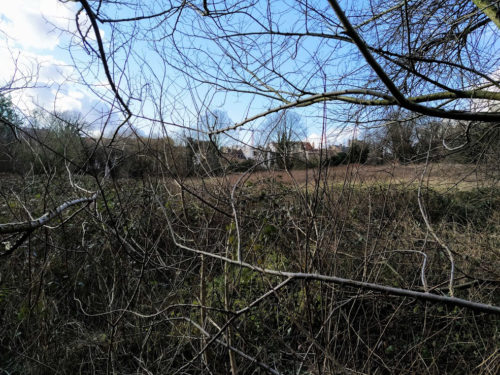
35, 41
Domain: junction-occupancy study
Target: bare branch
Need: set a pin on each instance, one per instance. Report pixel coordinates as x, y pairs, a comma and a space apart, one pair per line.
44, 219
452, 301
388, 82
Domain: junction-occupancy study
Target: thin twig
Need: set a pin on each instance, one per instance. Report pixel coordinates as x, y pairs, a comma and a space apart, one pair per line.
448, 300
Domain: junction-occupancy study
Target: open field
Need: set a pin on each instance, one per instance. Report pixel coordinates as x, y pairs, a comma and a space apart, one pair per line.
439, 176
250, 187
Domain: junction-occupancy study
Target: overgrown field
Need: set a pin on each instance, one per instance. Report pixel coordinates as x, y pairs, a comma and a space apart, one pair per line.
123, 286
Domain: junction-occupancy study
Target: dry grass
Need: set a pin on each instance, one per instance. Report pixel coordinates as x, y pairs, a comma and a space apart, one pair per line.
439, 176
371, 229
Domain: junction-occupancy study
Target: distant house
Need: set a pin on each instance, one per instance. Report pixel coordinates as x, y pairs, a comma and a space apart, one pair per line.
292, 147
296, 150
233, 154
280, 155
248, 151
335, 149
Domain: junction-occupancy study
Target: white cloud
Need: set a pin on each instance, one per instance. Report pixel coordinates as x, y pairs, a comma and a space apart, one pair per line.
70, 101
42, 68
35, 70
31, 75
35, 23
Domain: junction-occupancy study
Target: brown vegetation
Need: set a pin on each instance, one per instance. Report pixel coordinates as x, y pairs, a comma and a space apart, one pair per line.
124, 254
130, 299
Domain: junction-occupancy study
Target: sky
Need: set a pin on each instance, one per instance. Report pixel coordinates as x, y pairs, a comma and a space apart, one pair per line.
30, 45
49, 67
34, 50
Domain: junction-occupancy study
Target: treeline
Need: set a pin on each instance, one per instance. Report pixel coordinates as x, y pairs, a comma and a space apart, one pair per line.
55, 149
52, 142
411, 141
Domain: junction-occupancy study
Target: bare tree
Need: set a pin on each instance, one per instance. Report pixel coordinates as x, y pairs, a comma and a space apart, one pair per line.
212, 272
286, 131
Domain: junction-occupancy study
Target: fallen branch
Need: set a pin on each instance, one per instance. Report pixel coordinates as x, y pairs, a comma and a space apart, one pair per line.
424, 296
44, 219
